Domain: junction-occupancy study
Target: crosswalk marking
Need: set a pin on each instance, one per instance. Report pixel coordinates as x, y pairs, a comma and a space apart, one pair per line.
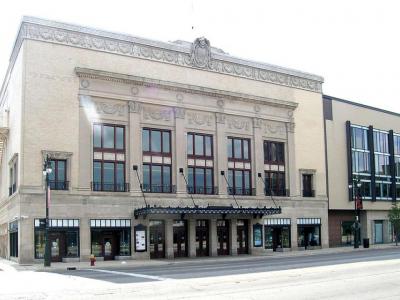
130, 274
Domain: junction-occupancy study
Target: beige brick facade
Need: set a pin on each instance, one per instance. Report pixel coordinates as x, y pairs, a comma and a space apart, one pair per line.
63, 79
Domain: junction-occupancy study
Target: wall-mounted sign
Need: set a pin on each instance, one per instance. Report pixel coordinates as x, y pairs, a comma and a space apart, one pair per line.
257, 235
140, 238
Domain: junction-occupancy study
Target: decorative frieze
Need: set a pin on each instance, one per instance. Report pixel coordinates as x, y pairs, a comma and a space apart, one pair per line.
238, 124
111, 108
201, 55
157, 114
276, 129
199, 119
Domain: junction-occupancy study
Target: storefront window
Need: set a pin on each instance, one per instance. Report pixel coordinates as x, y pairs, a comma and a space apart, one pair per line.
39, 243
286, 237
268, 237
96, 244
308, 236
72, 244
277, 237
124, 246
347, 233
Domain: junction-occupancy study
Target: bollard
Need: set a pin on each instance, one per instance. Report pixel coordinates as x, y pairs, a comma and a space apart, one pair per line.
92, 260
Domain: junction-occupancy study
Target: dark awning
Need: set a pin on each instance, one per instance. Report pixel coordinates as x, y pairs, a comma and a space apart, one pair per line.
261, 211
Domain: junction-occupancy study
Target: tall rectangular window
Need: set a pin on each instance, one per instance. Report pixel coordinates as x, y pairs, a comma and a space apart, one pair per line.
239, 167
274, 164
108, 159
382, 165
58, 176
12, 188
200, 164
157, 160
307, 181
396, 140
361, 159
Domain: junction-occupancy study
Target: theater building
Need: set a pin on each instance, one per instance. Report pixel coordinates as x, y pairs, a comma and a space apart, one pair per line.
157, 149
363, 153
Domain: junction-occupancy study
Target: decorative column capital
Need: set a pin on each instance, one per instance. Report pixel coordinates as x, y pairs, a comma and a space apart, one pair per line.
134, 107
257, 123
290, 127
220, 118
179, 113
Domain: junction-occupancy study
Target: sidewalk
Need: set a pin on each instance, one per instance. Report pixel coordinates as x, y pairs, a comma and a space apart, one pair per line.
7, 265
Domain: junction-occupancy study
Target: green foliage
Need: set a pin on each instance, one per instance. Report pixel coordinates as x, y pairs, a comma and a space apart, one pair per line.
394, 218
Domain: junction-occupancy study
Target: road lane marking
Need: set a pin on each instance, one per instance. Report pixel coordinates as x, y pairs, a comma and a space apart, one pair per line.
129, 274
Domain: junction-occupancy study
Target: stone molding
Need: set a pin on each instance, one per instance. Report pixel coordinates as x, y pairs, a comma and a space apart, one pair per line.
56, 154
171, 53
184, 88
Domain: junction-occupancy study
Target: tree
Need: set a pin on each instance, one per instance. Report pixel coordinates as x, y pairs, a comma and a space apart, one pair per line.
394, 218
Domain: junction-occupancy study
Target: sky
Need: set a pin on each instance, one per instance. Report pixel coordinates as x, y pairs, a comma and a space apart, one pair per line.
354, 45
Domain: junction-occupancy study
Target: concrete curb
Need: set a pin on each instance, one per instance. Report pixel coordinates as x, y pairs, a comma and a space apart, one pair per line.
7, 265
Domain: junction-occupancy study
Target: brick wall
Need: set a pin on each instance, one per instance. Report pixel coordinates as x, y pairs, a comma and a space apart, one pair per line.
335, 218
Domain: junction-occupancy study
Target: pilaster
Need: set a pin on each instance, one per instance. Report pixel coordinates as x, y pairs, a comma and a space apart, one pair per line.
221, 156
291, 163
84, 239
258, 154
134, 140
192, 237
180, 150
233, 237
213, 237
169, 239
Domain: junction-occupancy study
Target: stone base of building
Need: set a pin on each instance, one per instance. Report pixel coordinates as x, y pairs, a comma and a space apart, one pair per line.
375, 226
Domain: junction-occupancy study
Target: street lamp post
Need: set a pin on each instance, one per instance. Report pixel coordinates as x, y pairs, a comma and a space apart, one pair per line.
356, 185
46, 171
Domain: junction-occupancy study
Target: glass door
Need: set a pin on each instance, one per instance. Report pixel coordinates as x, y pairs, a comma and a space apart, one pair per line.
157, 239
378, 232
242, 237
202, 238
180, 238
223, 237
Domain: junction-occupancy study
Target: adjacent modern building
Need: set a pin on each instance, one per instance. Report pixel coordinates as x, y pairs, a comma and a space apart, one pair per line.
161, 150
363, 155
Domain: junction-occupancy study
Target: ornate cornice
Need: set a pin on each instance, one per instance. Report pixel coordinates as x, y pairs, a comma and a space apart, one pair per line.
179, 87
56, 154
171, 53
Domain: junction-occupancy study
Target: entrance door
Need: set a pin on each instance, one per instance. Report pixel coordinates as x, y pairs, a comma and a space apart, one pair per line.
109, 246
157, 239
202, 238
242, 237
378, 232
223, 237
276, 238
180, 238
57, 246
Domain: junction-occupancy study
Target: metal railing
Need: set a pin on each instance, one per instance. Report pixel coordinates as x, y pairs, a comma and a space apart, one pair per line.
308, 193
212, 190
242, 191
154, 188
277, 193
58, 184
109, 187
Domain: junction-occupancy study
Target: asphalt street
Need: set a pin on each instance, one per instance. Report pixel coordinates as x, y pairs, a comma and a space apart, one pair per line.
203, 269
359, 274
